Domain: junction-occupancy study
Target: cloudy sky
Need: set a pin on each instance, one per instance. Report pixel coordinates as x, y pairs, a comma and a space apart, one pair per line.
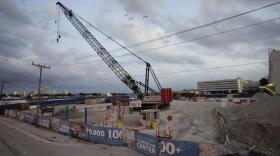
28, 33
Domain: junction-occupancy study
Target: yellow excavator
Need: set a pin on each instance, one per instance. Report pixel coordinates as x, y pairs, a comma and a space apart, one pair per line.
269, 88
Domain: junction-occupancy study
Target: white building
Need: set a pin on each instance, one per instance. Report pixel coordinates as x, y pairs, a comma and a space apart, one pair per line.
65, 92
274, 69
250, 85
47, 90
221, 86
19, 93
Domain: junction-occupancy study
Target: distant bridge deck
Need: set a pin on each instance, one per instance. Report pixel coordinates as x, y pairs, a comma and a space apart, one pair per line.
45, 103
51, 102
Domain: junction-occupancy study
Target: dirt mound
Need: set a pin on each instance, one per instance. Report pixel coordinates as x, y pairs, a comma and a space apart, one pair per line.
257, 124
261, 95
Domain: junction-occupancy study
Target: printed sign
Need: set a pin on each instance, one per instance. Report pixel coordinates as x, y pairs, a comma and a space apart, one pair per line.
171, 147
110, 136
45, 121
55, 124
146, 144
64, 127
30, 118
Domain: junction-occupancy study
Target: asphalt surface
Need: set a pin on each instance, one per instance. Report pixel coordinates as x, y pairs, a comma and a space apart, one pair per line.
21, 139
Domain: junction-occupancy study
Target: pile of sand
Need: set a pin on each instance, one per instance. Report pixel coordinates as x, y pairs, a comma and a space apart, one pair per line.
256, 124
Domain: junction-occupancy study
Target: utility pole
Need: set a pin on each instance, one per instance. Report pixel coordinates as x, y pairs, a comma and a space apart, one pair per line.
41, 67
2, 87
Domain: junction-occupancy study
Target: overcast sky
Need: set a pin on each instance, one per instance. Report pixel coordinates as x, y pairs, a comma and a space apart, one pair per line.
28, 33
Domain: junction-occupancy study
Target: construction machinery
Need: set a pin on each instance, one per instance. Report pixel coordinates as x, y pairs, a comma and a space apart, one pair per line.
150, 97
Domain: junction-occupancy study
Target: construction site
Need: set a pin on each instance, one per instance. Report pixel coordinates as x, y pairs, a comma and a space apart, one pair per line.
221, 117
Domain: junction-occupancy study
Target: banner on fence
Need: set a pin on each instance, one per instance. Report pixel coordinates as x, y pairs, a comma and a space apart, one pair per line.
12, 114
18, 114
64, 127
6, 112
171, 147
30, 118
77, 130
21, 116
128, 137
55, 124
45, 121
146, 144
109, 136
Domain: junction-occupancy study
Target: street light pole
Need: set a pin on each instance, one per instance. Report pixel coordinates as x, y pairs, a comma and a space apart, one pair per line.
2, 87
41, 67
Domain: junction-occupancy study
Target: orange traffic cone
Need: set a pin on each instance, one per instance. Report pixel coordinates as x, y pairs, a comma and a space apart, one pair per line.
157, 132
167, 131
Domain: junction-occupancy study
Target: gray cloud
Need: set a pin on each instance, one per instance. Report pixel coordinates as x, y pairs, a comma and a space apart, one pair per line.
27, 36
251, 42
141, 7
24, 42
9, 46
10, 12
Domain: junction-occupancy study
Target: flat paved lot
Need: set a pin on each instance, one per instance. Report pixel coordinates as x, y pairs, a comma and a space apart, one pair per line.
21, 139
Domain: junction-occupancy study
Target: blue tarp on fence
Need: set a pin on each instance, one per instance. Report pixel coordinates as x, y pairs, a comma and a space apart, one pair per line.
30, 118
45, 121
64, 127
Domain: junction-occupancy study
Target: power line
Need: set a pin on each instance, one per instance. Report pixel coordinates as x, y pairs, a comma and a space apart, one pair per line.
187, 30
118, 43
41, 67
211, 68
179, 43
190, 70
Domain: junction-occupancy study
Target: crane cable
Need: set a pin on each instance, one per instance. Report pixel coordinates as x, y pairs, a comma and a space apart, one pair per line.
190, 29
110, 37
182, 42
57, 21
198, 27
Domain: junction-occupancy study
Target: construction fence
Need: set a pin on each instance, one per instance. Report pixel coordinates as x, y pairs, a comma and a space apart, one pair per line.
143, 143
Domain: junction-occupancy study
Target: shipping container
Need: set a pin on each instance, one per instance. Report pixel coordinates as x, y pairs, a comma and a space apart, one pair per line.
166, 96
23, 106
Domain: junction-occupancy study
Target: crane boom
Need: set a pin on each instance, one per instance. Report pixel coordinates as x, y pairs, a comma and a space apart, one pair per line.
101, 51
